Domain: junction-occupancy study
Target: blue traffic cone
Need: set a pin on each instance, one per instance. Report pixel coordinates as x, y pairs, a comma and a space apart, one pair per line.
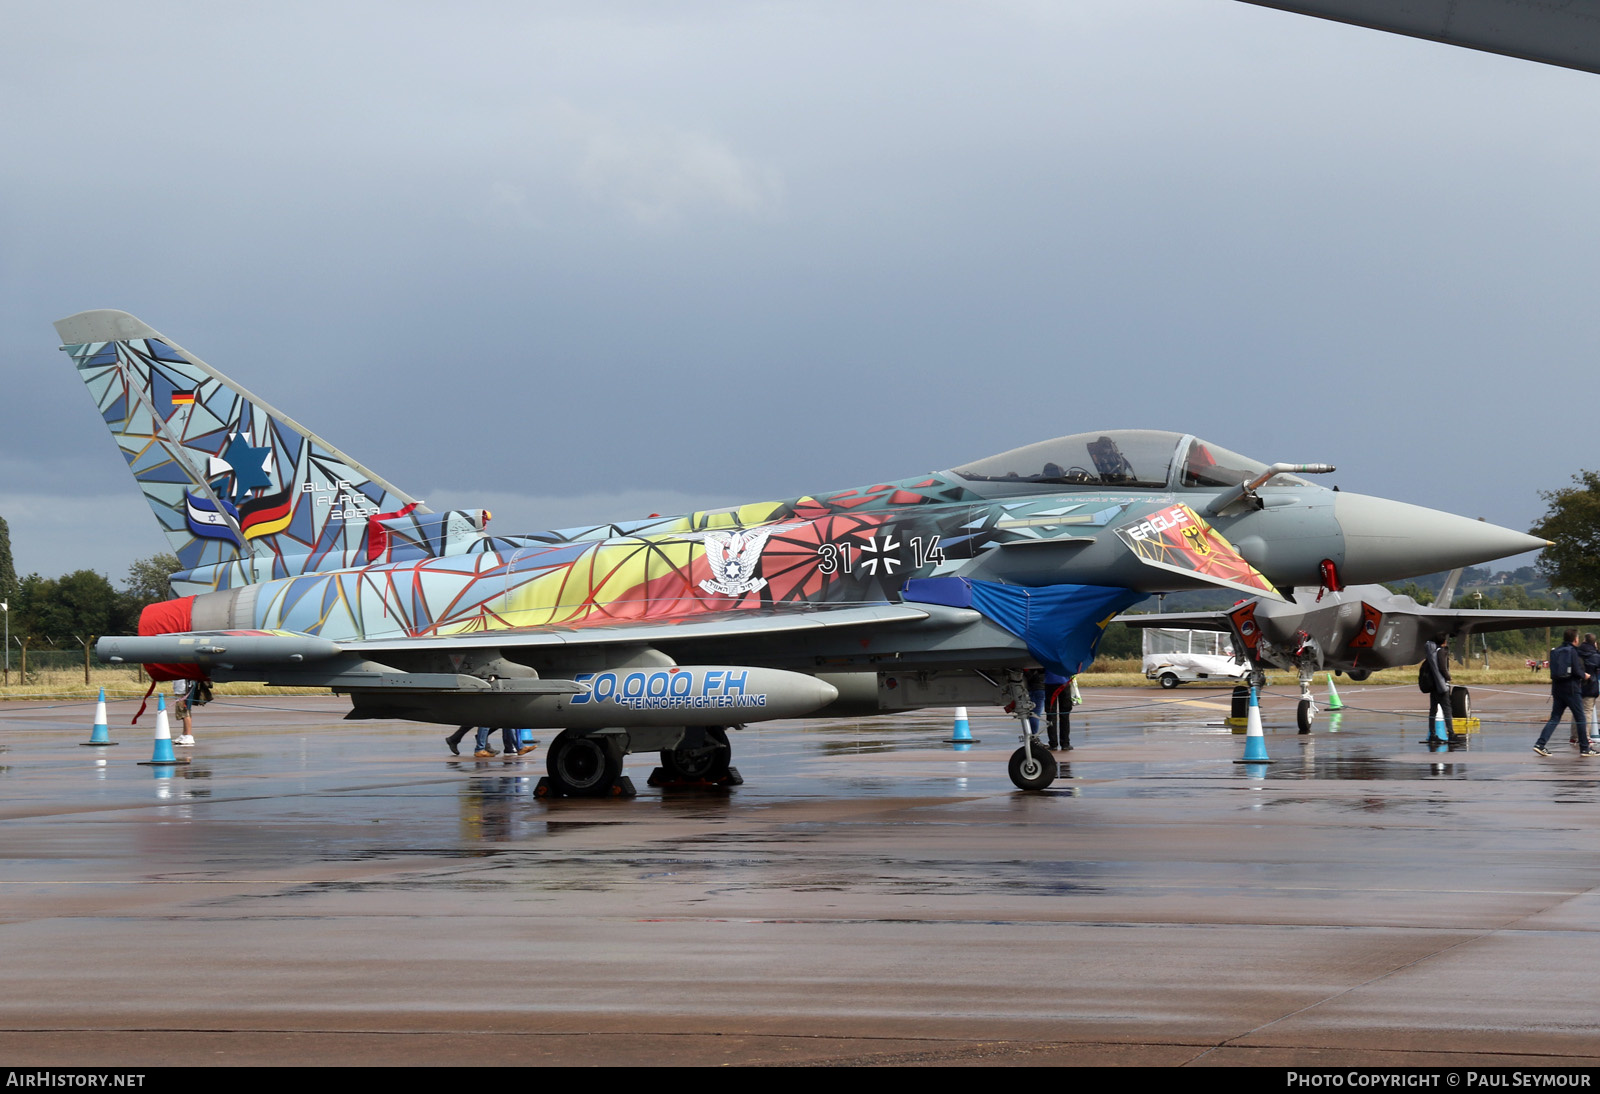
163, 755
1439, 734
1255, 742
101, 734
1334, 702
961, 733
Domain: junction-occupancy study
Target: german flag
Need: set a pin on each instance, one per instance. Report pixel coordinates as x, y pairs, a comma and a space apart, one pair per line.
267, 515
182, 398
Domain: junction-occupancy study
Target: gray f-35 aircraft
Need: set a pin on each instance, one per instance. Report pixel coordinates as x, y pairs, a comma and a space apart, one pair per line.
1355, 631
302, 567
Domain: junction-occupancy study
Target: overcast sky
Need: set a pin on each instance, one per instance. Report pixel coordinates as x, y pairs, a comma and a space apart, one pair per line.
589, 261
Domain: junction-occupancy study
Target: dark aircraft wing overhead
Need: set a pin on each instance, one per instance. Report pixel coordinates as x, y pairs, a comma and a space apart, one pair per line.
1554, 32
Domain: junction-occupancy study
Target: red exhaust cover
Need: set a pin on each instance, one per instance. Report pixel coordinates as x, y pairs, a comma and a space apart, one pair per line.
170, 617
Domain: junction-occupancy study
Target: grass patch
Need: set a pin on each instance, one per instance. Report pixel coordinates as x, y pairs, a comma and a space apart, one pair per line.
119, 684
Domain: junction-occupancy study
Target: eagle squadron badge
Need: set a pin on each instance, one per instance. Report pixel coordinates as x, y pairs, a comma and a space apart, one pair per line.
734, 556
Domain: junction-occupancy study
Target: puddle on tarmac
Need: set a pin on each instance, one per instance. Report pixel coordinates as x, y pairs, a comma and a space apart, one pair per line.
860, 747
1361, 769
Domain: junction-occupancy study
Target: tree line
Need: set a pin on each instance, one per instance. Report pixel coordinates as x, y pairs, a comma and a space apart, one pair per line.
63, 611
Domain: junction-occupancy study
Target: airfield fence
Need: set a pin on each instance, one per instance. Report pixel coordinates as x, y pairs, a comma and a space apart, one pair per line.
66, 666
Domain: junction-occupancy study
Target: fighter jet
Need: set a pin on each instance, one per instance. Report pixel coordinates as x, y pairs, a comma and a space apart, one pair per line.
300, 567
1355, 631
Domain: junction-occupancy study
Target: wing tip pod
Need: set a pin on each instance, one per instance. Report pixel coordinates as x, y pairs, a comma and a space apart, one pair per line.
102, 325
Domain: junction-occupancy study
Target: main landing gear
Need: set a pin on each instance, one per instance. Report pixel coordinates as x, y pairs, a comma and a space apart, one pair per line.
586, 763
700, 759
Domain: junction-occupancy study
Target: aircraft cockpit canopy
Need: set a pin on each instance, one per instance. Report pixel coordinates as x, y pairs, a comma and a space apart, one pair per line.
1153, 459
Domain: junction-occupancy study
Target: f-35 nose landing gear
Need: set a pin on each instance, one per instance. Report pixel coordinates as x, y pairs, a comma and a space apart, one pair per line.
1306, 711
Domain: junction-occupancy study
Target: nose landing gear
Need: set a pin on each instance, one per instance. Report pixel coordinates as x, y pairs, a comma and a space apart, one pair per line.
1032, 767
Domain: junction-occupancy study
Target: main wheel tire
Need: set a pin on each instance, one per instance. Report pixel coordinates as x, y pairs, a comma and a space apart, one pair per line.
708, 761
1460, 703
1359, 675
1303, 716
1168, 680
1034, 772
584, 766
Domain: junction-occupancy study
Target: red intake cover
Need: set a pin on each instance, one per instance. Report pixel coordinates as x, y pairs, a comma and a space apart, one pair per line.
1367, 636
1245, 625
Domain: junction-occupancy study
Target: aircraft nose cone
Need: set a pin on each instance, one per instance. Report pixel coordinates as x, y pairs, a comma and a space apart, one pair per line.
1388, 540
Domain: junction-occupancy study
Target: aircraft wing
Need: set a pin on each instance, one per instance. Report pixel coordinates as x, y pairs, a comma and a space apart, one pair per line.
1194, 621
1564, 33
307, 655
659, 632
1471, 622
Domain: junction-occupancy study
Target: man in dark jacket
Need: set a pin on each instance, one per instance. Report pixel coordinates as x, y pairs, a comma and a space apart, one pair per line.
1436, 670
1591, 687
1567, 677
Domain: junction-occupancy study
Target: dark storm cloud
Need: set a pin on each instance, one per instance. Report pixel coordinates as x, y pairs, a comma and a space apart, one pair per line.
618, 253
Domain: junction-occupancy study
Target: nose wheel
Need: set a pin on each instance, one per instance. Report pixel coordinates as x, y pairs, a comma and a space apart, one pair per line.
1306, 712
1033, 769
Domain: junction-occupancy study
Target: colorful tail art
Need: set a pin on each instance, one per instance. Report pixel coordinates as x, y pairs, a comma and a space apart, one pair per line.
243, 492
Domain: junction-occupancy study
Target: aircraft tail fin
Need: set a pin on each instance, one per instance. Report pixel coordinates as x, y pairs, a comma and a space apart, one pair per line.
239, 487
1447, 592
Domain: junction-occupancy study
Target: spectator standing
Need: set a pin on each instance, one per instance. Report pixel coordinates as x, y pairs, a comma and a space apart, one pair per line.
1566, 693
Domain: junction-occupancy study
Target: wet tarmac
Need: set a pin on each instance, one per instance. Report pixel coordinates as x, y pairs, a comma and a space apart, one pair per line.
313, 891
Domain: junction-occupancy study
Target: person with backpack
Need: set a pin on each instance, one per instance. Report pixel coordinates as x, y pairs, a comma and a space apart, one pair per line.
1433, 677
1567, 677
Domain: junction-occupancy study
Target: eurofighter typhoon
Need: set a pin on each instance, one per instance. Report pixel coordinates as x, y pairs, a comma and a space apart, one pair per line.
300, 567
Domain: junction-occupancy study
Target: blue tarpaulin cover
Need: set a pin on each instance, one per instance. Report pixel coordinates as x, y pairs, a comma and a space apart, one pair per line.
1062, 624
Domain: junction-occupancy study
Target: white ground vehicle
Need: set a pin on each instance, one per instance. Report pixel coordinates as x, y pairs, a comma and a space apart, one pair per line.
1181, 656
